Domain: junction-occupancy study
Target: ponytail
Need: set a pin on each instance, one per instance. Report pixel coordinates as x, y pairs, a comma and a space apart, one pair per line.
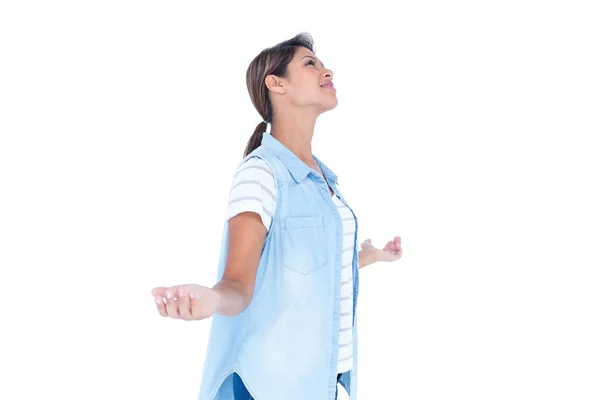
256, 138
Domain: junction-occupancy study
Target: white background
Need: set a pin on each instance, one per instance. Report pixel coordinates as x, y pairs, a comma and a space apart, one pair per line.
467, 128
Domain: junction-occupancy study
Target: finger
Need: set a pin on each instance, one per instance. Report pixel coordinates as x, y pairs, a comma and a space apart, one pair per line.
171, 303
159, 291
368, 241
184, 305
397, 251
194, 305
387, 246
160, 306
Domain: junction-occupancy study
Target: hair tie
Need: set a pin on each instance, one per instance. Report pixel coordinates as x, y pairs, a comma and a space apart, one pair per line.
268, 130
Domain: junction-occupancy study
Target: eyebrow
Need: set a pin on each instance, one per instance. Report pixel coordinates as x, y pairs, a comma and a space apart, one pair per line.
322, 65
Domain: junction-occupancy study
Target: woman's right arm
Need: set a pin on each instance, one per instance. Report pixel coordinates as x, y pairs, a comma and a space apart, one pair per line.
246, 236
252, 202
233, 293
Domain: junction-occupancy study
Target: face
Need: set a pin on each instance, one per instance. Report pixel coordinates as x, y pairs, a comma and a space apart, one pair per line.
309, 83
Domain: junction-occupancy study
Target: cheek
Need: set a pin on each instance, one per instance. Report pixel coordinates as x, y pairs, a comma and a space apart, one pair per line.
302, 94
306, 81
307, 89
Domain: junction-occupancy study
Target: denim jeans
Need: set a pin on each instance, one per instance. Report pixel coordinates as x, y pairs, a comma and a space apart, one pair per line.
336, 389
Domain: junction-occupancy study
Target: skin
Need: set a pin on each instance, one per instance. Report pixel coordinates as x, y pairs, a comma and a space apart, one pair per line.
297, 101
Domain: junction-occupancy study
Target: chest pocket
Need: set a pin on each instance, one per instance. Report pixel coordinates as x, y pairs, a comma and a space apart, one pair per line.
304, 244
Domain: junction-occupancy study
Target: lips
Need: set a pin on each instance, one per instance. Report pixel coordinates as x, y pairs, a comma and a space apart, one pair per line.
327, 84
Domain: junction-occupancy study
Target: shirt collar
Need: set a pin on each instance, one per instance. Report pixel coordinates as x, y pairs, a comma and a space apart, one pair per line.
298, 169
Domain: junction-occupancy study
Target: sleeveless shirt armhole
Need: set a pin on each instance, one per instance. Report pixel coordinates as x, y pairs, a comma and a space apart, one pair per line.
253, 189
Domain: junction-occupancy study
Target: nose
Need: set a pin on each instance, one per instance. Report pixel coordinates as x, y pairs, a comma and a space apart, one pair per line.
329, 73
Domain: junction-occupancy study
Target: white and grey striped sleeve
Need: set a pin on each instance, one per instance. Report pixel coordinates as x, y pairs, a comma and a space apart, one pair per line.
253, 189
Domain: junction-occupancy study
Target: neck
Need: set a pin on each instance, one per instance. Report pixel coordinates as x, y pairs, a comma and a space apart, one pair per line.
295, 132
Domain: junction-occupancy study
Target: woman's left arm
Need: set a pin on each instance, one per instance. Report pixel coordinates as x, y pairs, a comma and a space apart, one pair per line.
369, 254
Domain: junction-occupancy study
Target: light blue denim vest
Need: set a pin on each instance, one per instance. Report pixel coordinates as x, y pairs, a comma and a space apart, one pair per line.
285, 344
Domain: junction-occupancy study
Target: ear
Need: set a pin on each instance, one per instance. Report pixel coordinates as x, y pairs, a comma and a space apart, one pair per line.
274, 84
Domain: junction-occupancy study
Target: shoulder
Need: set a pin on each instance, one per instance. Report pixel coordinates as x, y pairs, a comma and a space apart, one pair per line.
253, 189
254, 169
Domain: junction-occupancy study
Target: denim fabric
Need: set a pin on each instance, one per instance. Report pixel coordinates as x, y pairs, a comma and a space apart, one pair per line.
285, 344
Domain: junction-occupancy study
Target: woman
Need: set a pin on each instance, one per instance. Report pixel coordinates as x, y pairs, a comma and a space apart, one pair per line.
284, 307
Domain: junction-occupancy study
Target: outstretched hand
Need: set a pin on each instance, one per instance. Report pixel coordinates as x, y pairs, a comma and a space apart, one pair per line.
188, 302
392, 251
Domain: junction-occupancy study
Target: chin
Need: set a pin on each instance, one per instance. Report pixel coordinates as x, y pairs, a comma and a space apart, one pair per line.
330, 105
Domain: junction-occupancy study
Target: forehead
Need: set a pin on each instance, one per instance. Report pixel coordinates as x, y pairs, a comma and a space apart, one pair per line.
303, 52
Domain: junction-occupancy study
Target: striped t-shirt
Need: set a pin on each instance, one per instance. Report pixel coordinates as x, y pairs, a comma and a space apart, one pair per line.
253, 189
